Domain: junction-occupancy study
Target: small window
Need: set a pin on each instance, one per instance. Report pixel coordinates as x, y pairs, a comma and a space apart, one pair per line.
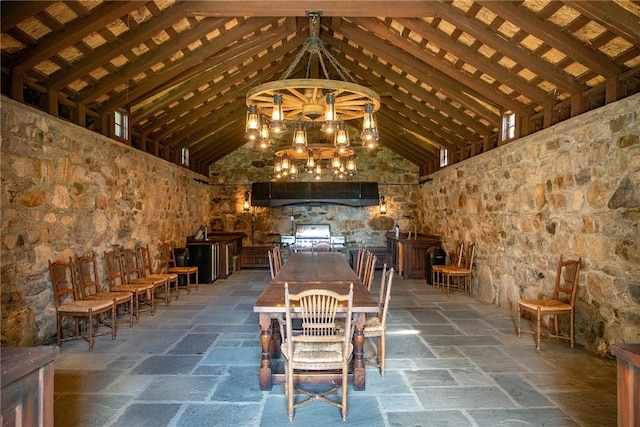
184, 156
121, 124
508, 126
444, 157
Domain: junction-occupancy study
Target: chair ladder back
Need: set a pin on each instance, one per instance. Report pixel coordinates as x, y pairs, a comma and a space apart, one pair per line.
144, 256
369, 271
385, 295
88, 274
271, 263
113, 266
471, 253
567, 278
63, 280
131, 264
359, 261
457, 261
317, 310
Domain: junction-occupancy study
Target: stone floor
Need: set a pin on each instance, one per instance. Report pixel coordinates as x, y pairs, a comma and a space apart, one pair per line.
452, 361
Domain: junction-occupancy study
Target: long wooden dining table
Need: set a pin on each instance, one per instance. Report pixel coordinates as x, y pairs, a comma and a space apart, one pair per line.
304, 270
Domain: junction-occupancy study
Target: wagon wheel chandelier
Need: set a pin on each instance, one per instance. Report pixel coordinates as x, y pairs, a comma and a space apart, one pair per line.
305, 103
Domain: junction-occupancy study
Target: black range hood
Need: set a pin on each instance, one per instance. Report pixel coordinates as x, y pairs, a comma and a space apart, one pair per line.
274, 194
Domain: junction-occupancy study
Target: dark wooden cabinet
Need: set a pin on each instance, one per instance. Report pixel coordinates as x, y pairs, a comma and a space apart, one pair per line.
409, 256
27, 386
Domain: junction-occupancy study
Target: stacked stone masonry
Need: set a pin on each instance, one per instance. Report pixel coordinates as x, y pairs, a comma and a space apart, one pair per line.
572, 189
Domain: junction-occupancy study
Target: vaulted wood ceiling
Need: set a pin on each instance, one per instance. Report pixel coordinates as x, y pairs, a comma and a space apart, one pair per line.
446, 70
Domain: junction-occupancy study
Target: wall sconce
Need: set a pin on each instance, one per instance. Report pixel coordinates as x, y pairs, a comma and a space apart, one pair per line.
246, 204
383, 206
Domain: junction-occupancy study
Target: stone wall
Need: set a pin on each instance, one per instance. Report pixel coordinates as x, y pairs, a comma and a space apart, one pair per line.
571, 190
67, 190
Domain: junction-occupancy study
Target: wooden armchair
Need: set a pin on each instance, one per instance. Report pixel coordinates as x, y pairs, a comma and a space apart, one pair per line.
117, 280
92, 289
562, 302
69, 304
318, 346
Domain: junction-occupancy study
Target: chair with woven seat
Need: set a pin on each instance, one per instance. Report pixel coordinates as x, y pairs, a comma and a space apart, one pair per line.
117, 281
461, 276
69, 304
134, 275
92, 290
173, 268
144, 257
561, 302
437, 276
376, 326
318, 346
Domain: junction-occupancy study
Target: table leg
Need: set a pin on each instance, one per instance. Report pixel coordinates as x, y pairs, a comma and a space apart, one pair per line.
265, 339
359, 369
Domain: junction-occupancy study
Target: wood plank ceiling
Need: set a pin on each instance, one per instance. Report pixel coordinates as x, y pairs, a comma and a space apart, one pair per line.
446, 71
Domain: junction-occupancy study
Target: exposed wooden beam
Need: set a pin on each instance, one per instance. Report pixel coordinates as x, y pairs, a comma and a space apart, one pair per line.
148, 60
75, 31
445, 111
431, 69
14, 12
513, 51
517, 84
611, 16
125, 42
553, 36
301, 7
225, 65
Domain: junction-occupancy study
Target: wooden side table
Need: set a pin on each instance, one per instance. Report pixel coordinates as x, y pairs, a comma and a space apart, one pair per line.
628, 383
27, 385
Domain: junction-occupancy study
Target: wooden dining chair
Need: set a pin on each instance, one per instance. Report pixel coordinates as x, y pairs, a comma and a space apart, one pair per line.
459, 278
376, 326
561, 302
277, 258
185, 271
362, 252
117, 281
369, 270
134, 275
272, 267
144, 257
318, 346
91, 288
84, 312
437, 271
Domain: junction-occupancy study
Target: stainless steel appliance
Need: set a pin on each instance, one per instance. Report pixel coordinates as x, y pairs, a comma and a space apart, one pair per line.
307, 235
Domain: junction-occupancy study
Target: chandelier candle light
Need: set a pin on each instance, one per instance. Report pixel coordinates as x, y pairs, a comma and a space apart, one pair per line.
302, 104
